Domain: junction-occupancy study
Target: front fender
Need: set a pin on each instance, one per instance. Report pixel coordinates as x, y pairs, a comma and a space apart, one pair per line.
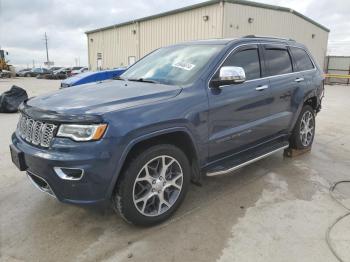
135, 140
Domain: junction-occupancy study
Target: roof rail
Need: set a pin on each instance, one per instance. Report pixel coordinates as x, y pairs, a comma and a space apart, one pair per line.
272, 37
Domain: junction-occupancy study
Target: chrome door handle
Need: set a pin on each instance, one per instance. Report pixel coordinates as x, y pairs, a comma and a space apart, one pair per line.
259, 88
300, 79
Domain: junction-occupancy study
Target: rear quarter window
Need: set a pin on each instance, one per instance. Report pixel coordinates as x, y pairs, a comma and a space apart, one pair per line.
302, 59
278, 61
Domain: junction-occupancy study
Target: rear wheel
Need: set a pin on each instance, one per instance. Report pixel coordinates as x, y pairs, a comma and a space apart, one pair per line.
304, 130
153, 185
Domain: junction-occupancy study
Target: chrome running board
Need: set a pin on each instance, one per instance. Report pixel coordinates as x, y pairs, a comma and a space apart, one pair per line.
222, 172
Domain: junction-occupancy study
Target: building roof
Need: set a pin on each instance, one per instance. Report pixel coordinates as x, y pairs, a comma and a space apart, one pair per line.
211, 2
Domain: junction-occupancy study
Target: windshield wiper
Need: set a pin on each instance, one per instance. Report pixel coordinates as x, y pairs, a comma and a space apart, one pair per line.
118, 78
143, 80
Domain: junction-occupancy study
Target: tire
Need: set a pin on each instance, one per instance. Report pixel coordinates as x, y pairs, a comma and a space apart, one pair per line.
134, 185
302, 136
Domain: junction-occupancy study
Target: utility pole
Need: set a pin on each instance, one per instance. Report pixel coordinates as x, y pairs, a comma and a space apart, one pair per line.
47, 51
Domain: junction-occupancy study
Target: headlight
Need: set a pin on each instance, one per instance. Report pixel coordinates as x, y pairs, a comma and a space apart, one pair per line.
82, 132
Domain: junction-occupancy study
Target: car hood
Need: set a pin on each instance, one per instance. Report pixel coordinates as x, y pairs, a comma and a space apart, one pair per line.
102, 97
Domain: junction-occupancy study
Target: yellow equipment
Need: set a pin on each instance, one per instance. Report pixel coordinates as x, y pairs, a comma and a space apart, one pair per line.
3, 62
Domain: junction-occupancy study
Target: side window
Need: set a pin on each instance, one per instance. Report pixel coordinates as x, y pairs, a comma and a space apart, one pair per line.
302, 59
279, 61
247, 59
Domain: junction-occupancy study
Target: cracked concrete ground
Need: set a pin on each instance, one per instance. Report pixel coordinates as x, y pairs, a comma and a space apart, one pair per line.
273, 210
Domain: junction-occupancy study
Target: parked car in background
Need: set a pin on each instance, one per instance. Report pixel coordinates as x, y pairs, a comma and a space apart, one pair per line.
61, 73
183, 111
54, 68
90, 77
35, 72
73, 69
23, 71
78, 71
48, 73
5, 73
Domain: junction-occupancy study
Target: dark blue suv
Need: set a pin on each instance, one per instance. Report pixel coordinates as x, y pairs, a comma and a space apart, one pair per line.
183, 111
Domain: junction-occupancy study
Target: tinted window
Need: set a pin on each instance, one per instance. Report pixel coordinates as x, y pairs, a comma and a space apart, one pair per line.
302, 59
279, 61
248, 59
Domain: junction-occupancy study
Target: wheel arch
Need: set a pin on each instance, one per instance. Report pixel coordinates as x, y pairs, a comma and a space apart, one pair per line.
312, 100
179, 136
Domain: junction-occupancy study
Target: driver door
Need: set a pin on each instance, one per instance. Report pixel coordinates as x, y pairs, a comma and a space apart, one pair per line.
239, 114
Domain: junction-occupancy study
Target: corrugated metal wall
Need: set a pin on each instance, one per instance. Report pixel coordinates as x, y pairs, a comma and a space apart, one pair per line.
180, 27
274, 23
225, 20
115, 45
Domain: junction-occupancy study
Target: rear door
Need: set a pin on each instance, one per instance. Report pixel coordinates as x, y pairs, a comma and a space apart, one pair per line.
285, 83
305, 66
239, 113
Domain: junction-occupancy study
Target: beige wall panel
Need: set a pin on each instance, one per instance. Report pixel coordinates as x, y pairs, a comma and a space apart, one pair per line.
275, 23
115, 44
180, 27
231, 20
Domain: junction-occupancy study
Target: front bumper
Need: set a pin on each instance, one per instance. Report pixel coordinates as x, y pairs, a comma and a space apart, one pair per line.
98, 163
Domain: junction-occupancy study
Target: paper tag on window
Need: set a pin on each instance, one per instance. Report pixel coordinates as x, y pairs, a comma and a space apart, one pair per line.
184, 66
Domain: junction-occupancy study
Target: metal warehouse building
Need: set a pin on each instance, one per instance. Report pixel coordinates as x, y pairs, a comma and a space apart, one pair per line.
122, 44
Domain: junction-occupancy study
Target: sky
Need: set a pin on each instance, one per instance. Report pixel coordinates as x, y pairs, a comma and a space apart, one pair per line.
24, 22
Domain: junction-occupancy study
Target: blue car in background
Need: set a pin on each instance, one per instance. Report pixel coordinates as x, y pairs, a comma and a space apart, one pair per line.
90, 77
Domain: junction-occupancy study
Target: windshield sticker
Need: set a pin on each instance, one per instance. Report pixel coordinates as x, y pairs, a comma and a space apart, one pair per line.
184, 66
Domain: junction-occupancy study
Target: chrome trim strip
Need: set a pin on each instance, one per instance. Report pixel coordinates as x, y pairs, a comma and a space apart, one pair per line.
266, 77
62, 175
48, 191
222, 172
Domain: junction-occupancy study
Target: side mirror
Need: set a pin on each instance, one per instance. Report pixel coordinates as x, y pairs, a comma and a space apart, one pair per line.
229, 75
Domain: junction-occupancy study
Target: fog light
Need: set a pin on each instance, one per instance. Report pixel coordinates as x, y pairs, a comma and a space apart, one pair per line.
69, 173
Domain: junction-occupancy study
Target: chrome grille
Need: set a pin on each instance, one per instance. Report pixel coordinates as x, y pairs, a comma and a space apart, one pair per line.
35, 132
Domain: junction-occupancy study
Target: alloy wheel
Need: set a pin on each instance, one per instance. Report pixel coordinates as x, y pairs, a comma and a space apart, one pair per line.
158, 185
307, 127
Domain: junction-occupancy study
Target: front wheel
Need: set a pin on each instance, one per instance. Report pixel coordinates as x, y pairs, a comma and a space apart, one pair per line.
304, 130
153, 185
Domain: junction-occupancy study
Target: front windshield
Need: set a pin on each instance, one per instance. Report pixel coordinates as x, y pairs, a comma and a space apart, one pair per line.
174, 65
